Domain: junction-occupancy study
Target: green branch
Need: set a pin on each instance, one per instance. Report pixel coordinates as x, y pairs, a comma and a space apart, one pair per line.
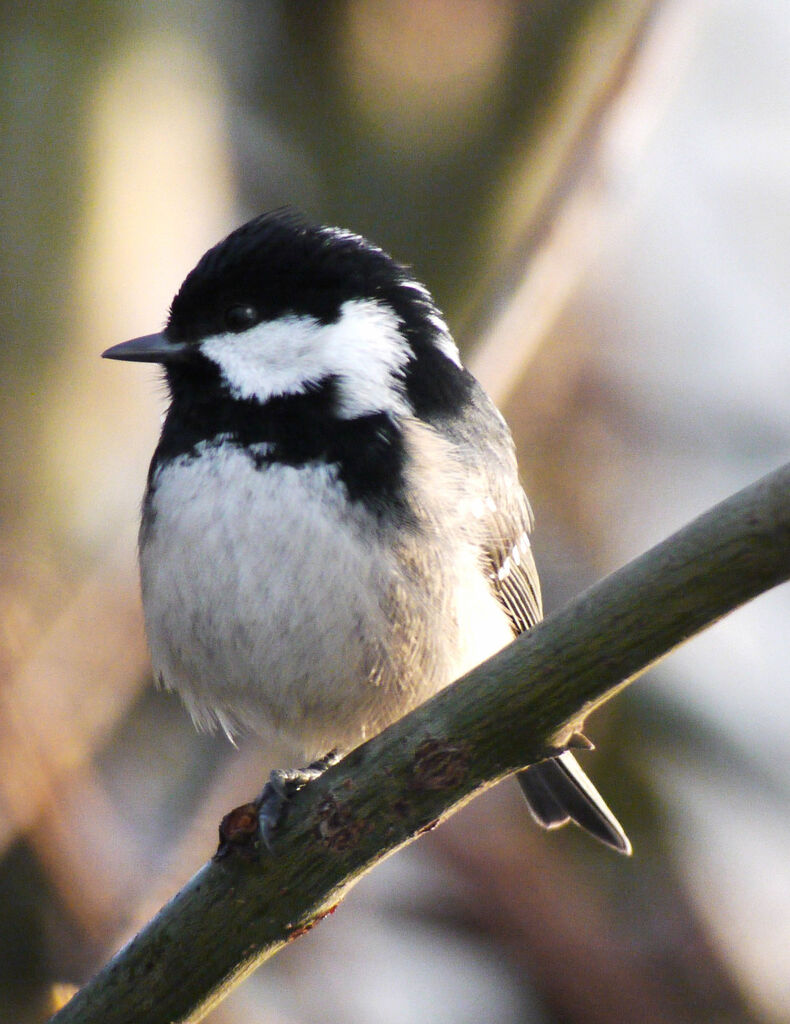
245, 905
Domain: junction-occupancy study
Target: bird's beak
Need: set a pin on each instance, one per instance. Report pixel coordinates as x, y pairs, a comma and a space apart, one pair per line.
150, 348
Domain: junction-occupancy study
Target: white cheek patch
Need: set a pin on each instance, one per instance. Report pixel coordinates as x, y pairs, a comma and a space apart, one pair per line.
364, 349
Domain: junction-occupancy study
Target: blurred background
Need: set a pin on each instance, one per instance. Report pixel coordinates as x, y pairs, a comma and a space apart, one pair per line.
598, 193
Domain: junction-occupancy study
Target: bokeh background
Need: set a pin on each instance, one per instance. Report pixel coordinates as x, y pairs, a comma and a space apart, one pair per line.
598, 194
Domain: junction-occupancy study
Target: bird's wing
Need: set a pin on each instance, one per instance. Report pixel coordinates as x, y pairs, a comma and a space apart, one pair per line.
510, 563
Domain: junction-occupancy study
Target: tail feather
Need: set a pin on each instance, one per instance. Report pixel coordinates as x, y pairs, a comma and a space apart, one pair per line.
545, 807
558, 791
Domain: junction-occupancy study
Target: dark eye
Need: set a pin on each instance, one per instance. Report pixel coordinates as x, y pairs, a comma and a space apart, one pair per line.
241, 316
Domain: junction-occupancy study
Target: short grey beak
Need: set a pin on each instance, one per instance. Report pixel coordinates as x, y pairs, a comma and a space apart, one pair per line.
150, 348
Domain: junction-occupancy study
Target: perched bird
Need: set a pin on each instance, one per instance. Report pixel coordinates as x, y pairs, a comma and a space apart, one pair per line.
333, 527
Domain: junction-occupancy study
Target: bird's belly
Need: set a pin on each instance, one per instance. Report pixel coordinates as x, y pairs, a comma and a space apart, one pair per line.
269, 606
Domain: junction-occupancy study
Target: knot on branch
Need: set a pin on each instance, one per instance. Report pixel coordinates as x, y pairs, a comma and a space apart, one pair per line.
338, 829
439, 764
239, 832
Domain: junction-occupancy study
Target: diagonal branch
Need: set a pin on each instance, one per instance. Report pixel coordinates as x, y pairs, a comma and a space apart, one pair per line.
246, 904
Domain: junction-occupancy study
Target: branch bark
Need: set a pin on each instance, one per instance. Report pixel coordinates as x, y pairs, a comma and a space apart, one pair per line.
243, 906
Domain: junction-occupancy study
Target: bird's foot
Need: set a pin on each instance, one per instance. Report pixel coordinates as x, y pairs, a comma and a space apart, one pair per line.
281, 788
575, 741
578, 741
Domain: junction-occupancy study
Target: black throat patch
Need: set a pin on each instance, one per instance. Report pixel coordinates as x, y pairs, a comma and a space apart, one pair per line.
294, 430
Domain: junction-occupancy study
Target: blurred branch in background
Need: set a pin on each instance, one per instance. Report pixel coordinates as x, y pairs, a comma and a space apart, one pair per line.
532, 279
472, 139
98, 635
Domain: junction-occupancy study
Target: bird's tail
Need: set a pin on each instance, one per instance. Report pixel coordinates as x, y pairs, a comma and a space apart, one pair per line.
558, 791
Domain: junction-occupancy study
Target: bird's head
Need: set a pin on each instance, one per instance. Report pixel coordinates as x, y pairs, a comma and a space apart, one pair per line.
281, 306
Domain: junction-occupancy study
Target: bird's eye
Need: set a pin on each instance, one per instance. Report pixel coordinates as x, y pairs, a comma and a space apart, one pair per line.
240, 316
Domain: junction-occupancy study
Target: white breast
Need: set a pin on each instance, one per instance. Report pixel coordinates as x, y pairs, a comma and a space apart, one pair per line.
273, 603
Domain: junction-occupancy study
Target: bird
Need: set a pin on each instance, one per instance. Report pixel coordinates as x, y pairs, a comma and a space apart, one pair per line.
333, 527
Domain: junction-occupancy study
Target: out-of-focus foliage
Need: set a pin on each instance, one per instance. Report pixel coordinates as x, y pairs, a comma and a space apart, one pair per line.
564, 176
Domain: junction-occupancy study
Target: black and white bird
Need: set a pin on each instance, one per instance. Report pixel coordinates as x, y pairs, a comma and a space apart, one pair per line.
333, 527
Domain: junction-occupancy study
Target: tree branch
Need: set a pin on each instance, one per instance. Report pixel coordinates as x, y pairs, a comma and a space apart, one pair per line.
246, 904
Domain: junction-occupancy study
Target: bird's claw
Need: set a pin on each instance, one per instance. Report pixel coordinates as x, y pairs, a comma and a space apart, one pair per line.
282, 787
578, 741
